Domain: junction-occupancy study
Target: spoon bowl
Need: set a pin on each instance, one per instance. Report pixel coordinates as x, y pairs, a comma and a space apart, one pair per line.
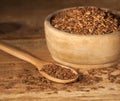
57, 79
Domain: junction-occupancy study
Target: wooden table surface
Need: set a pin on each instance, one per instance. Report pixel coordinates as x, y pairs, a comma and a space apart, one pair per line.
21, 25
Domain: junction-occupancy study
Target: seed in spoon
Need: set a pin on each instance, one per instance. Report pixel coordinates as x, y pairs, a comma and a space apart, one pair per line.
58, 71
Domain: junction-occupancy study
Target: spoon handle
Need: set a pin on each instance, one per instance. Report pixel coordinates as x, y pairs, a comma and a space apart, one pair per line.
21, 54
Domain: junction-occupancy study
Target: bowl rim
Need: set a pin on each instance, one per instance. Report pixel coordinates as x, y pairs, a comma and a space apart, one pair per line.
48, 22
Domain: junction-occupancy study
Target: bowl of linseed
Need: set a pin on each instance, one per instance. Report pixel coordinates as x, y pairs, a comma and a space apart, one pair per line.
84, 36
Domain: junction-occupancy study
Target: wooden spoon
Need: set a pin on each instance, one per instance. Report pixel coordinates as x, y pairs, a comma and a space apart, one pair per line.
39, 64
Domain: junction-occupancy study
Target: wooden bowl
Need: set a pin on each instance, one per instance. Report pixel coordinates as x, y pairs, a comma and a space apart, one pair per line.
82, 51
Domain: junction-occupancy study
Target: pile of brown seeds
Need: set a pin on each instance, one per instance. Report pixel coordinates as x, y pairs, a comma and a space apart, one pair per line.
86, 21
58, 72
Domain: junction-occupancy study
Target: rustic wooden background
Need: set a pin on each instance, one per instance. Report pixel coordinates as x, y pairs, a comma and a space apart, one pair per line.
30, 14
22, 25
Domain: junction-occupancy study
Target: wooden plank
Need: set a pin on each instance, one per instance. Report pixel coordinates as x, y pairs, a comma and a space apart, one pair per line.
20, 80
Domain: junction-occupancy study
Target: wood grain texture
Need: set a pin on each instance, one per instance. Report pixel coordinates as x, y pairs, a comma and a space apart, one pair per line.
13, 89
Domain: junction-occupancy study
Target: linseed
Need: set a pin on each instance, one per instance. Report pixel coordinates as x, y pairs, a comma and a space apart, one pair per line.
86, 20
58, 72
